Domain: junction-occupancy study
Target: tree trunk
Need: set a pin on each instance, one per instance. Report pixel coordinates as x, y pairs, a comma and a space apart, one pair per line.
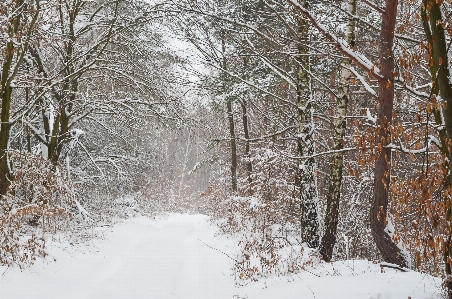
5, 127
18, 31
305, 143
232, 142
246, 131
55, 135
249, 166
433, 22
233, 147
379, 211
5, 175
334, 190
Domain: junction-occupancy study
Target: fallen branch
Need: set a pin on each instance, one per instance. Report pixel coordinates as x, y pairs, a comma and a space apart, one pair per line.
394, 266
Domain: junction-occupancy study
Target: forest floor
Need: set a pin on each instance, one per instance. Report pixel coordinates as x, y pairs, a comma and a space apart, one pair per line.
179, 256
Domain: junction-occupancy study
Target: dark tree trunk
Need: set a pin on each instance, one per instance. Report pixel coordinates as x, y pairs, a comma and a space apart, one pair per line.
5, 127
246, 131
249, 166
5, 176
232, 143
379, 211
233, 147
8, 73
433, 23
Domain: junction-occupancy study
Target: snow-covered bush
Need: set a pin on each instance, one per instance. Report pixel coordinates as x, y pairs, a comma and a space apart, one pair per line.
266, 221
38, 198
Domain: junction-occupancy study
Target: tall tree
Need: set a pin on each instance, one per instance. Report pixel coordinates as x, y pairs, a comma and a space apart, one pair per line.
20, 20
434, 24
379, 212
230, 112
74, 54
385, 74
305, 139
337, 163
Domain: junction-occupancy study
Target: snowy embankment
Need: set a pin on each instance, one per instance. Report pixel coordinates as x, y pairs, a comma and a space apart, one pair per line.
169, 258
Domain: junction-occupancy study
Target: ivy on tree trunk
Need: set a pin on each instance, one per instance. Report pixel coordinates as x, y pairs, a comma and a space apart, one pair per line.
433, 23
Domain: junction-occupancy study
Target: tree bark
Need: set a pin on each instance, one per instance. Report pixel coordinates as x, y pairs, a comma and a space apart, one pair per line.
334, 190
249, 165
379, 211
232, 143
6, 93
5, 128
8, 72
246, 131
434, 22
305, 142
233, 146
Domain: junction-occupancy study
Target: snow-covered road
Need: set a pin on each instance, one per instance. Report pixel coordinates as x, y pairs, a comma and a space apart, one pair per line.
168, 258
140, 258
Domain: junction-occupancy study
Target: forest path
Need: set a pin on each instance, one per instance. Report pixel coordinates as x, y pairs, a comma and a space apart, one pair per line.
139, 258
173, 257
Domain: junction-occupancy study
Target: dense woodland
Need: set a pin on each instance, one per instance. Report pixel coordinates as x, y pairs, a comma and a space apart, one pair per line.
311, 130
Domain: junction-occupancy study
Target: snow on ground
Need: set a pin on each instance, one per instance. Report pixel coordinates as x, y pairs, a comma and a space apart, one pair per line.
168, 258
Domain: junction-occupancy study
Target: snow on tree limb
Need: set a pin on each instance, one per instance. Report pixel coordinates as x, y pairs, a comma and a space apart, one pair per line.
340, 44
